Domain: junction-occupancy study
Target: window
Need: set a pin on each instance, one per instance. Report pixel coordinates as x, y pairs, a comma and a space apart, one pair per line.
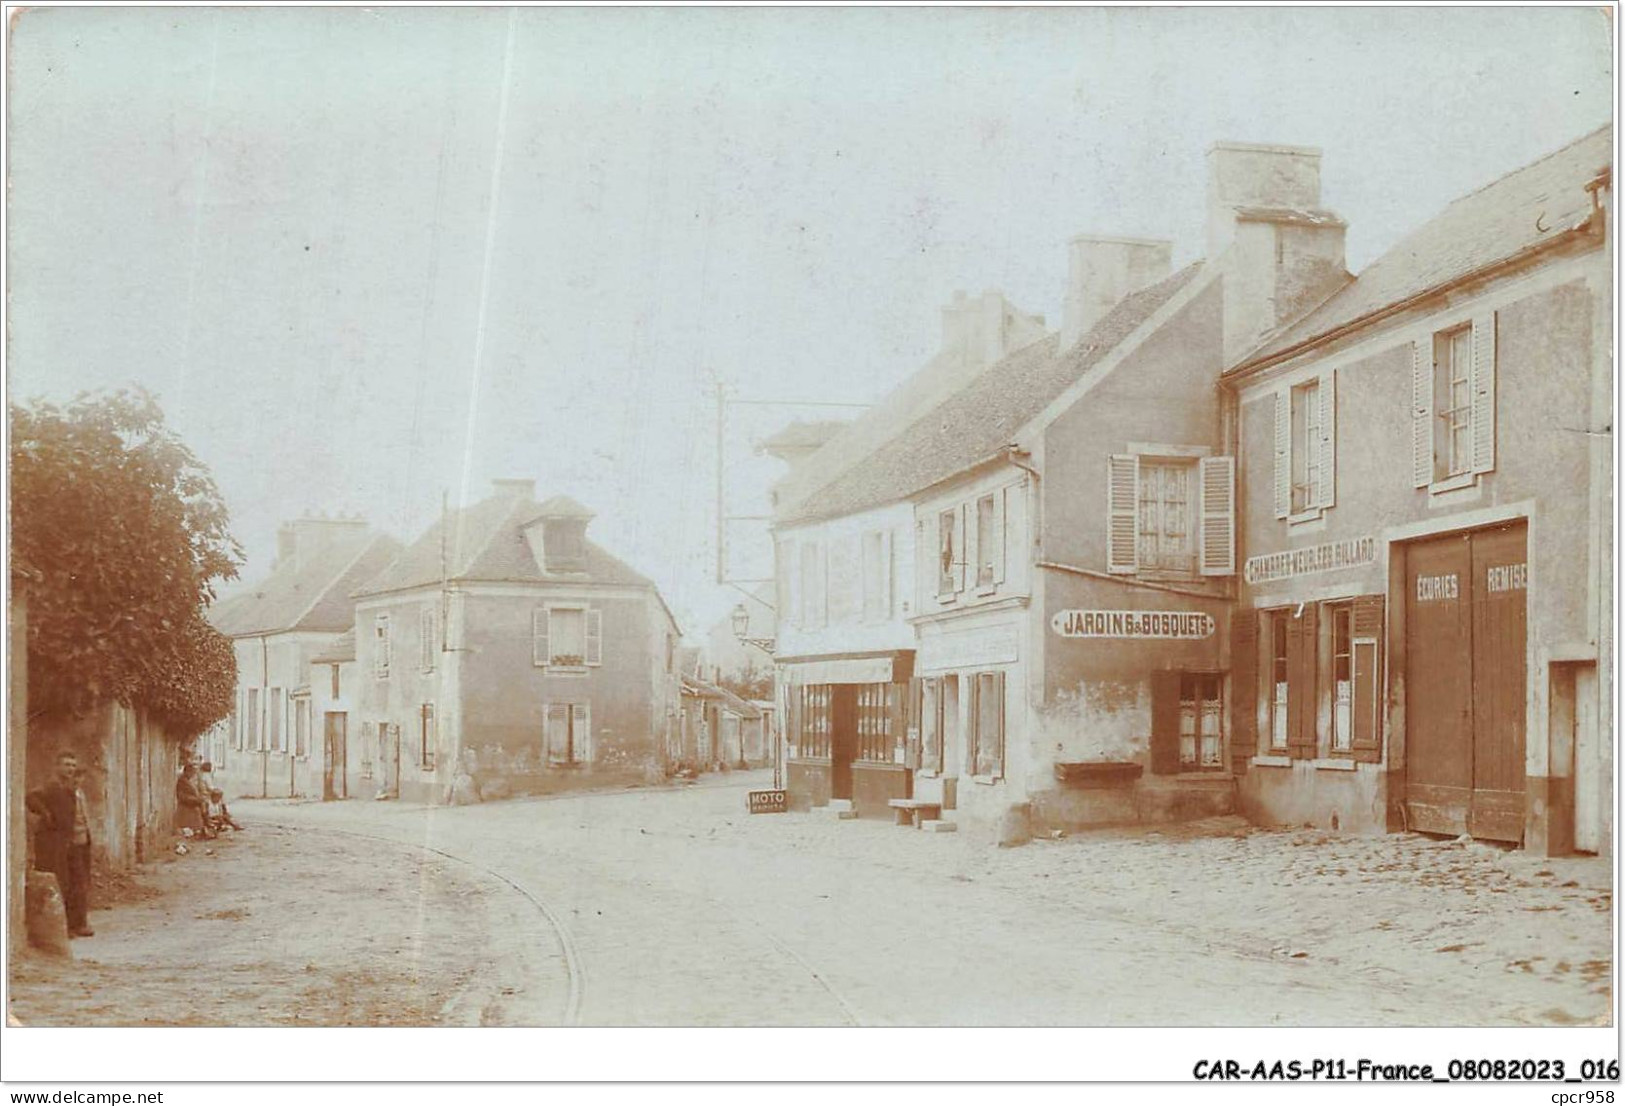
380, 639
814, 611
1342, 679
1305, 448
877, 576
426, 736
1201, 713
368, 737
989, 540
987, 721
301, 727
1280, 672
251, 713
876, 736
428, 643
276, 743
335, 680
813, 708
1170, 516
568, 736
1453, 404
1166, 536
567, 637
948, 554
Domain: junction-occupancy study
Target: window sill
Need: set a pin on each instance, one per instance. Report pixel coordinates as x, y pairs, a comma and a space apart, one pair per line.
1453, 484
1334, 763
1310, 514
944, 600
986, 590
566, 669
987, 780
1272, 761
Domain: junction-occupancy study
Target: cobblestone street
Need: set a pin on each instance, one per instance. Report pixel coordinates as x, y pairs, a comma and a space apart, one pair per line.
674, 907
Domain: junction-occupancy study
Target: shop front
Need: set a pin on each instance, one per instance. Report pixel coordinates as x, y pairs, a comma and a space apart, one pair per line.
846, 730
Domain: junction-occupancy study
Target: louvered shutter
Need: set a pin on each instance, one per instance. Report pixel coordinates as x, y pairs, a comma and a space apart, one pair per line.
538, 636
1122, 513
1421, 413
998, 736
1164, 722
595, 637
580, 732
1243, 688
1283, 453
1367, 706
1326, 489
960, 550
1483, 386
915, 726
973, 542
1217, 488
1001, 543
1302, 645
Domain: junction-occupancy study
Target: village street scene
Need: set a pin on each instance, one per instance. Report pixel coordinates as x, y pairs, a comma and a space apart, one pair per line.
469, 571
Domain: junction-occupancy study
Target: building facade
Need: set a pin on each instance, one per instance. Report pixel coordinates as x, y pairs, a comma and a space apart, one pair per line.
1424, 633
272, 745
507, 646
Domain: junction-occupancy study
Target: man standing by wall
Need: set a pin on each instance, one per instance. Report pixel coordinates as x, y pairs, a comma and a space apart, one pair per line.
62, 840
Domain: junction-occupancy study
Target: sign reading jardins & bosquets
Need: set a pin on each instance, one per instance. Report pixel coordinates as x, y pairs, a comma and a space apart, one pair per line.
1334, 555
1155, 625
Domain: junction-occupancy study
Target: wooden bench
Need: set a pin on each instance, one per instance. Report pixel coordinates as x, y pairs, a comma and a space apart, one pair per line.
911, 812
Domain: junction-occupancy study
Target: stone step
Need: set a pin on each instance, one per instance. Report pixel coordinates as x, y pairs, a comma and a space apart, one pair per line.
835, 813
839, 804
939, 825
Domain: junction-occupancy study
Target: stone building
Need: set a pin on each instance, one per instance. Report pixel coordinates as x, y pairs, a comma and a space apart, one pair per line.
1425, 637
508, 644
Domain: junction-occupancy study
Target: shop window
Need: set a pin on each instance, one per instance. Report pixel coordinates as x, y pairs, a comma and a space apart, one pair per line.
1342, 679
876, 730
1280, 688
814, 708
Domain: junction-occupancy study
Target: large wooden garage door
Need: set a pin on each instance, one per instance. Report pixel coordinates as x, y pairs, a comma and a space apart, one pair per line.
1465, 669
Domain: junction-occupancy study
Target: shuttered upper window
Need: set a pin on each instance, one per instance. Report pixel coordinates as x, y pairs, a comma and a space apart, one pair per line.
1170, 516
1453, 405
1306, 448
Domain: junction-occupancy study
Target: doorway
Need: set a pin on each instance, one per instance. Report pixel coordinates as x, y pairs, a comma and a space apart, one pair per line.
1466, 663
334, 756
843, 746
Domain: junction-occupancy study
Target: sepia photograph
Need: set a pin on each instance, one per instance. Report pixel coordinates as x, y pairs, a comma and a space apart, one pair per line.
1088, 518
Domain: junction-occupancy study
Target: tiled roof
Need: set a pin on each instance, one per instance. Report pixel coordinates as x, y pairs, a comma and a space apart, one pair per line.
311, 592
703, 689
487, 542
976, 421
1498, 221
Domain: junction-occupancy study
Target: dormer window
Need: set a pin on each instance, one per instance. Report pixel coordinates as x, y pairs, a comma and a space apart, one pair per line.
564, 543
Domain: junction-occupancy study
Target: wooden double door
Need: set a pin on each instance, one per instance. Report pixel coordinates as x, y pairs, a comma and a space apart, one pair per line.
1465, 682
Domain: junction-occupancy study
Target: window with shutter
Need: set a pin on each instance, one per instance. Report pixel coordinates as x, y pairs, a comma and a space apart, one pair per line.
1280, 680
947, 553
581, 733
1243, 687
1483, 389
1453, 387
1366, 631
988, 719
380, 656
1217, 484
1001, 527
1303, 640
987, 540
962, 560
426, 737
931, 724
1421, 414
595, 637
1165, 689
1283, 454
1201, 728
1326, 486
1342, 676
1122, 513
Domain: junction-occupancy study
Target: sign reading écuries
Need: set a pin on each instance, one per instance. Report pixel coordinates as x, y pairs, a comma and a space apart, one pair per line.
767, 802
1350, 553
1159, 625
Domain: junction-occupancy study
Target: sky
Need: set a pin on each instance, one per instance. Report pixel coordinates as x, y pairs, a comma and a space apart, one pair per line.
367, 256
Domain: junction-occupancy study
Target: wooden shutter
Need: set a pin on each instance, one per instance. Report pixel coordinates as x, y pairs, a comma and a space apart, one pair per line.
1483, 389
595, 636
1421, 413
1302, 657
931, 724
794, 713
1367, 707
1326, 486
1001, 543
1283, 452
1243, 688
1164, 722
961, 551
1122, 513
1217, 488
580, 733
538, 636
998, 719
915, 725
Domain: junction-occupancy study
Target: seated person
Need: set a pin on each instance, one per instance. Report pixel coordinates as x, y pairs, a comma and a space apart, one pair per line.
217, 815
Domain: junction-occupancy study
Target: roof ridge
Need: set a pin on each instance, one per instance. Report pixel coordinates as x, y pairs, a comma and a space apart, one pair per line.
1525, 167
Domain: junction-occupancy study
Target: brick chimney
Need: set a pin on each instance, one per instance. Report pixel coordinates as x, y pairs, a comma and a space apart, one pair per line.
1102, 272
1282, 252
984, 328
303, 538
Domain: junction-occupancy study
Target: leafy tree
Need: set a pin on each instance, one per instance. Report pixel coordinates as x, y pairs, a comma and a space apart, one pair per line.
750, 683
123, 536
